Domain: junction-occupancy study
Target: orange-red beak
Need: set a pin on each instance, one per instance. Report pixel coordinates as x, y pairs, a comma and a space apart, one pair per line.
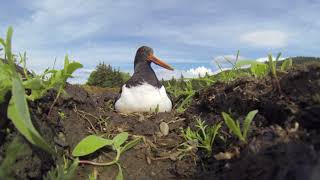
157, 61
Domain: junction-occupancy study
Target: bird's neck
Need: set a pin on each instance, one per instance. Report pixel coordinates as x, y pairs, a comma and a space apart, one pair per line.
147, 74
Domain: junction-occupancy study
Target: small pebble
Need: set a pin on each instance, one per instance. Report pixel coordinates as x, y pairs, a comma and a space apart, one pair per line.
223, 156
164, 128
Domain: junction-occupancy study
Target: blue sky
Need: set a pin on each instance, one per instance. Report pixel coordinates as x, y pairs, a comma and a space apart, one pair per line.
179, 31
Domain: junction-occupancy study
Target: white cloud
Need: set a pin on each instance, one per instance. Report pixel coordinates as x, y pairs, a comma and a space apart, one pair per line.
190, 73
202, 71
265, 59
266, 38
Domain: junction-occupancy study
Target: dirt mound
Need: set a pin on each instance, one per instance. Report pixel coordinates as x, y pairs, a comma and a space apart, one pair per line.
287, 119
283, 143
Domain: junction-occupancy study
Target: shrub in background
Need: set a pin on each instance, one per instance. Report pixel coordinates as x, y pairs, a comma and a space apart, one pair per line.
106, 76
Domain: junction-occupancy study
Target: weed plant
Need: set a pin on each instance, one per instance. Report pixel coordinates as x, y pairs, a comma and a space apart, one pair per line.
92, 143
234, 125
11, 81
203, 137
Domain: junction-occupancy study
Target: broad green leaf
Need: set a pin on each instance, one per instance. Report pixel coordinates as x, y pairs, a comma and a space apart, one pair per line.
247, 122
131, 144
238, 124
231, 125
47, 71
119, 139
90, 144
38, 89
35, 94
259, 70
33, 84
120, 174
73, 66
18, 112
286, 65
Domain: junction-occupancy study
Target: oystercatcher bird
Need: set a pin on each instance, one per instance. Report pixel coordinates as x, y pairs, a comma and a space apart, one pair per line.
143, 92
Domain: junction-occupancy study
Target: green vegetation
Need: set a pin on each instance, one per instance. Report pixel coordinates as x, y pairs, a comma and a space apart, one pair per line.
105, 76
257, 69
93, 175
13, 151
50, 79
11, 80
62, 115
203, 137
184, 89
303, 60
261, 69
63, 172
233, 73
235, 128
286, 65
18, 110
92, 143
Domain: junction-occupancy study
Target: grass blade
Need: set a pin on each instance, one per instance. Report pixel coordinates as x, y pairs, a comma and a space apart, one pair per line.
119, 139
278, 57
131, 144
272, 65
64, 171
215, 130
247, 122
8, 50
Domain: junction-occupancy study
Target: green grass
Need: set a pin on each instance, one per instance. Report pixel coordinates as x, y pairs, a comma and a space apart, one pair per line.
66, 171
18, 110
203, 137
14, 150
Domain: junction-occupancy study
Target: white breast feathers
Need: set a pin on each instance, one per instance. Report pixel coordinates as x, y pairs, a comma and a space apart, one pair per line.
143, 98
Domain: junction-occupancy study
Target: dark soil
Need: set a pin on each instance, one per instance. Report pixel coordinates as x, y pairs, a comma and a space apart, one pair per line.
284, 141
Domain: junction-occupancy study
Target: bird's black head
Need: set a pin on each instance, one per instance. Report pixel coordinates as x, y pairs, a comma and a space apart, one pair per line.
142, 55
145, 55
